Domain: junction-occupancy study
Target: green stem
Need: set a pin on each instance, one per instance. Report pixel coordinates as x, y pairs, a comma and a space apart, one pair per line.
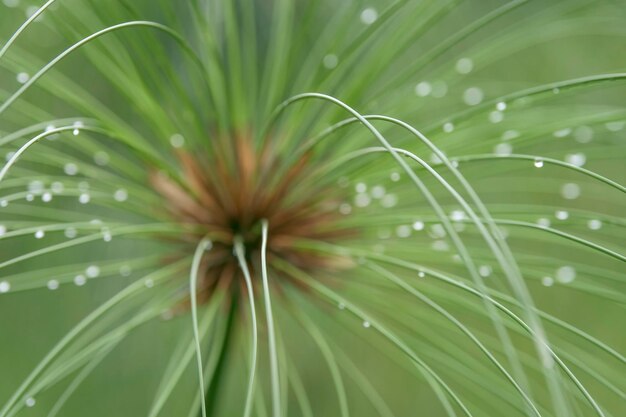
218, 376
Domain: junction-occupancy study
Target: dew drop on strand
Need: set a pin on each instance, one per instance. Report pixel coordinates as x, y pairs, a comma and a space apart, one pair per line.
369, 16
473, 96
565, 274
418, 225
423, 89
22, 78
80, 280
593, 224
464, 66
330, 61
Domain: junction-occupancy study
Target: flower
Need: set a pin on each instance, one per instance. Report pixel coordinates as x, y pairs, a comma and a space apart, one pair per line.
299, 208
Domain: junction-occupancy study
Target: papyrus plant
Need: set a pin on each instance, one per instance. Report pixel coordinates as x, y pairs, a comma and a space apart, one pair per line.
312, 208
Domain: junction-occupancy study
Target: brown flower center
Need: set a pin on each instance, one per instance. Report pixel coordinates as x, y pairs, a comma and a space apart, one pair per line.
228, 195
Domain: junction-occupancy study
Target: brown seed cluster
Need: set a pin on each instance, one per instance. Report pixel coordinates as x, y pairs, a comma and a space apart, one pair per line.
228, 195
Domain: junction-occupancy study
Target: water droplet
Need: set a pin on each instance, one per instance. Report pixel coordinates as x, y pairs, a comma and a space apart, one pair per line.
70, 233
593, 224
3, 229
149, 283
345, 208
362, 200
501, 106
366, 324
5, 287
57, 187
106, 235
435, 159
177, 140
342, 306
92, 271
403, 231
36, 187
561, 133
76, 132
473, 96
31, 10
576, 159
394, 176
570, 191
4, 203
556, 90
378, 191
360, 187
496, 116
547, 281
538, 162
120, 195
457, 215
464, 66
418, 225
615, 126
22, 78
448, 127
101, 158
423, 89
561, 214
421, 274
30, 402
543, 222
369, 15
30, 197
565, 274
503, 149
510, 135
84, 198
125, 270
11, 3
484, 271
80, 280
53, 284
330, 61
389, 200
70, 168
440, 246
39, 234
437, 231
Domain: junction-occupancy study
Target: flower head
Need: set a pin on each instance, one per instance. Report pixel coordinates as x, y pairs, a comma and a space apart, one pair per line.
311, 208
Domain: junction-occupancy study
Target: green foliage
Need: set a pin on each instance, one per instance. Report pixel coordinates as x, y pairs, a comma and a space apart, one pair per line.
468, 153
